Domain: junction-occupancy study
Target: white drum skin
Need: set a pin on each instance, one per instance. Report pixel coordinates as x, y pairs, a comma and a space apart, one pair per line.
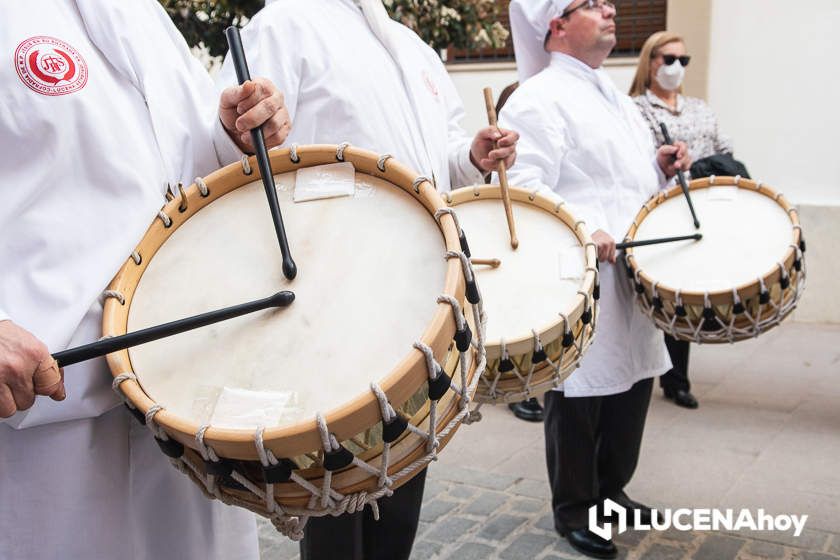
745, 234
370, 268
529, 288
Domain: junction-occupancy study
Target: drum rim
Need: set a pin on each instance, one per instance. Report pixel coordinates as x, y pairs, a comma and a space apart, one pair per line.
352, 417
718, 297
549, 331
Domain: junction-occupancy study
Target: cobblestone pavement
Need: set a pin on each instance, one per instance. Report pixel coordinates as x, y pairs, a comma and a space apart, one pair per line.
766, 435
471, 515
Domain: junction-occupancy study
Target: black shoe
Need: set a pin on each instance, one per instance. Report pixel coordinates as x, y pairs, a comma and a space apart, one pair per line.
588, 543
681, 398
645, 513
529, 410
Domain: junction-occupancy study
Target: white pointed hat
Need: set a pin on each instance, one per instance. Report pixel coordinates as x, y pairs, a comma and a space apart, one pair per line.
529, 21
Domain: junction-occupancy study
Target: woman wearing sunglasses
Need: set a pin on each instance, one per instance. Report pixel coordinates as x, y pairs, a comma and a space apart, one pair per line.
657, 90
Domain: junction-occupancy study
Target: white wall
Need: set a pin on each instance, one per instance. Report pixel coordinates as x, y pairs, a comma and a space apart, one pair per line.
774, 82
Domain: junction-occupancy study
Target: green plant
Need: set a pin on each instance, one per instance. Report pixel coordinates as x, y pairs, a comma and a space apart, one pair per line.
463, 24
203, 22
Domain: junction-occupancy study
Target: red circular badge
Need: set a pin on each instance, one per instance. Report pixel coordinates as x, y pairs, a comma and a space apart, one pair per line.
50, 66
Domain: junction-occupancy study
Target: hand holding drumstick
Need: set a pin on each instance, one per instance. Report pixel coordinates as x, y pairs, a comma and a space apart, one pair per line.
501, 166
606, 246
678, 154
27, 369
243, 75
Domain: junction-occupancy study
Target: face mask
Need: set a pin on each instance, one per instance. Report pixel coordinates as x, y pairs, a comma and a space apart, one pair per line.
670, 76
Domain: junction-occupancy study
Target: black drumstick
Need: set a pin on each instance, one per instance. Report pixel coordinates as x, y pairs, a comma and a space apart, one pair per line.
642, 242
243, 75
108, 345
680, 176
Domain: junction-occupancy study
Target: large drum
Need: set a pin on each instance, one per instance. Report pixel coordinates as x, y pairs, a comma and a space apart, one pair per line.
541, 299
742, 278
333, 402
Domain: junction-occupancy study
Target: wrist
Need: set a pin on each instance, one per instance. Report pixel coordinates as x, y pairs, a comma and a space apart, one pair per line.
475, 164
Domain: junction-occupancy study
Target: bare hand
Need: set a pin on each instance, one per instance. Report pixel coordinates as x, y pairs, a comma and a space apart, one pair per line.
26, 370
254, 103
492, 145
673, 158
606, 246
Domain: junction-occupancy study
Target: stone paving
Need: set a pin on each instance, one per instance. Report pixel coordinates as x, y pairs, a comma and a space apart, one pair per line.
766, 435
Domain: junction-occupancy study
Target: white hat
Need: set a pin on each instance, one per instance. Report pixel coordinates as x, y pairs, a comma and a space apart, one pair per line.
529, 20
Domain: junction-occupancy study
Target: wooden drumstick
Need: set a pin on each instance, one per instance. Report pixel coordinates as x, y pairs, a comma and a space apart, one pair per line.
643, 242
680, 176
108, 345
237, 54
503, 182
494, 263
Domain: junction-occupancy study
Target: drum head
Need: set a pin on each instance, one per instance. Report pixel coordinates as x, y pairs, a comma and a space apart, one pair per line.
745, 235
540, 299
536, 281
370, 269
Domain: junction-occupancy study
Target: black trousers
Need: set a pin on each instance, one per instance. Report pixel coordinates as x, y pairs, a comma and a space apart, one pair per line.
592, 448
358, 536
676, 378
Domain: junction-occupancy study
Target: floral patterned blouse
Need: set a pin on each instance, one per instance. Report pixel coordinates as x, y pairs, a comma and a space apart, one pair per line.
693, 122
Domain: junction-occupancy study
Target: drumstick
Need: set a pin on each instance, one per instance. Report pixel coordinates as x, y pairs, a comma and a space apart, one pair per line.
640, 243
243, 75
680, 176
108, 345
491, 116
495, 263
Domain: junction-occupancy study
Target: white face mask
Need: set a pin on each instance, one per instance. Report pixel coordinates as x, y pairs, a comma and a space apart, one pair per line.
670, 76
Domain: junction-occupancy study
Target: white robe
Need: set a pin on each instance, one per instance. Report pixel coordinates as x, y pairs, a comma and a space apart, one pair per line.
342, 85
83, 175
585, 141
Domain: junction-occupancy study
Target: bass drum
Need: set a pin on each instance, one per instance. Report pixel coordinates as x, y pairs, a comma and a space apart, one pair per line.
330, 404
541, 298
741, 279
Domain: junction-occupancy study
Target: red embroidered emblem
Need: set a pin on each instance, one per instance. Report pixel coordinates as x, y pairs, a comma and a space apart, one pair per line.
50, 66
430, 84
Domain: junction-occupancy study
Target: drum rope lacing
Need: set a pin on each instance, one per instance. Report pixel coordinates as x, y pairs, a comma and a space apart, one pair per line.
696, 328
738, 320
561, 367
325, 500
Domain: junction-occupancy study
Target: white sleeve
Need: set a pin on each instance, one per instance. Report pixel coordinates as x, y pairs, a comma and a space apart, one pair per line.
4, 316
143, 44
723, 143
462, 172
664, 182
544, 143
226, 149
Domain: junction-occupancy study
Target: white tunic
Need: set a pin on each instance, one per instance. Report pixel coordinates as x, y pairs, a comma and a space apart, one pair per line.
101, 105
342, 85
584, 140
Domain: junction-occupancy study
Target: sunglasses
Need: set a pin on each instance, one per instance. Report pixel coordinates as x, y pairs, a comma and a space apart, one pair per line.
669, 59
